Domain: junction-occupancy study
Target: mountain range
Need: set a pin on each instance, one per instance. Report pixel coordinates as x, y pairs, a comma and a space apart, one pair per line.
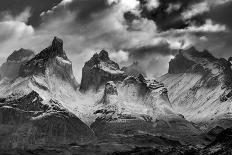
43, 109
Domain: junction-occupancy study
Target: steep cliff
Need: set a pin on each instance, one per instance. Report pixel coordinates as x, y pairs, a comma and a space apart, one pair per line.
98, 71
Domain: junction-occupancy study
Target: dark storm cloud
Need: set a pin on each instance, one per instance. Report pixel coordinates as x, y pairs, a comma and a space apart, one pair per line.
88, 8
221, 14
161, 49
85, 10
15, 7
166, 20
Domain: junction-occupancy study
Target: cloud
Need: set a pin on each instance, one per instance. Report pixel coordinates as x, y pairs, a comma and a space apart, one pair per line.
141, 52
173, 7
209, 26
14, 30
152, 4
120, 56
61, 4
196, 9
21, 17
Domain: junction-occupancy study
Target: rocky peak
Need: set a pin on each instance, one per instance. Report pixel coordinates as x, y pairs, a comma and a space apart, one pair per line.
230, 60
52, 61
180, 64
39, 63
103, 55
57, 44
56, 49
98, 71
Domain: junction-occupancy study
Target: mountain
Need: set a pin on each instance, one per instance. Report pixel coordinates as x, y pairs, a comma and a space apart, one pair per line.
98, 70
10, 69
199, 86
35, 106
185, 111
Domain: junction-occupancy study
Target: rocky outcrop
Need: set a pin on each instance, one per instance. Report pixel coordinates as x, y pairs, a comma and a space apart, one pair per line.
98, 71
10, 69
52, 61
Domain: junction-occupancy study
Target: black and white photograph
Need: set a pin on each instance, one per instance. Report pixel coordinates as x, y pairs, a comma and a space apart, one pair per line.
116, 77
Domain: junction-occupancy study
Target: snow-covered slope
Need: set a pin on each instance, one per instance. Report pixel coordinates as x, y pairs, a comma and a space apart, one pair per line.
199, 86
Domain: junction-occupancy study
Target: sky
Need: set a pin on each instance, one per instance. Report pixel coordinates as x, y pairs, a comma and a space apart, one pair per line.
146, 31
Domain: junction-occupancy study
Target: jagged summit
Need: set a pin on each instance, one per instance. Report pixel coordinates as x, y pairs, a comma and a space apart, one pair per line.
179, 64
39, 62
57, 44
103, 55
98, 71
56, 49
102, 59
50, 62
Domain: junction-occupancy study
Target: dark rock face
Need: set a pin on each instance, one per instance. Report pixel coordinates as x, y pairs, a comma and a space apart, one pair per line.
179, 64
98, 71
215, 131
10, 69
53, 61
